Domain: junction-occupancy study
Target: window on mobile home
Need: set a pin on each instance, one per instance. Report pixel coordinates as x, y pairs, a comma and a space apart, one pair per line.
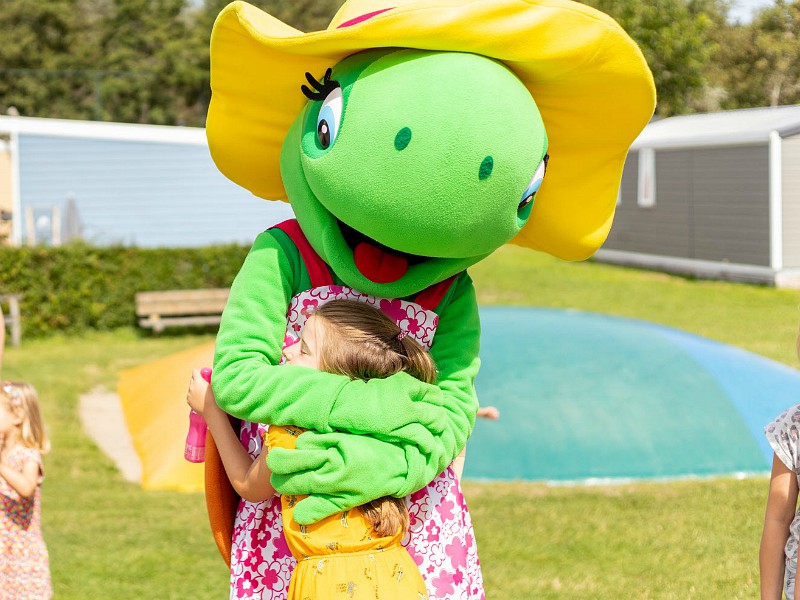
646, 194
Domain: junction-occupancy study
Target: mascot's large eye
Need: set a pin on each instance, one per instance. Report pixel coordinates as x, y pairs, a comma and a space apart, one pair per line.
330, 116
535, 184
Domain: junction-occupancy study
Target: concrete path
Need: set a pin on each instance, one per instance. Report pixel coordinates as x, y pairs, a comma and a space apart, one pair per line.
103, 420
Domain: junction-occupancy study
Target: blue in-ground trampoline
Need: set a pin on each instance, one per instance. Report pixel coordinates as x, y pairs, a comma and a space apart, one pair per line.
587, 396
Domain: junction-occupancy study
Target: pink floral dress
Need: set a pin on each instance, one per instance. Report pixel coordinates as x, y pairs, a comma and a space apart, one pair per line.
24, 564
440, 538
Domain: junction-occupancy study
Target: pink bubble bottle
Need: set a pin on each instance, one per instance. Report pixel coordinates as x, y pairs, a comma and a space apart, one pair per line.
195, 450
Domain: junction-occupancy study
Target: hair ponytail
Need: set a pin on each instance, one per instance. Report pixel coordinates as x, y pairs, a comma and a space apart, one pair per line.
386, 515
417, 363
364, 343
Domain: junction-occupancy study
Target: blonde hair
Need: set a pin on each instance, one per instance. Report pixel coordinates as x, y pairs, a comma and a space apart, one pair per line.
362, 342
22, 399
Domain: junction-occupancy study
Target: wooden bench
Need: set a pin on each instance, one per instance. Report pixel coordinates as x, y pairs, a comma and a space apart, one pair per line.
172, 308
11, 316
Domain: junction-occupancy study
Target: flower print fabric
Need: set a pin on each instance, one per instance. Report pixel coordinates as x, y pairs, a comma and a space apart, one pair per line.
24, 563
440, 537
418, 322
782, 434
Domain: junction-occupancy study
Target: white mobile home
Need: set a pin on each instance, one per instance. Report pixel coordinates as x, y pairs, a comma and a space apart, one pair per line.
116, 183
713, 195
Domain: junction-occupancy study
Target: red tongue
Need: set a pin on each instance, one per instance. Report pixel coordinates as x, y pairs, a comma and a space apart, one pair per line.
378, 266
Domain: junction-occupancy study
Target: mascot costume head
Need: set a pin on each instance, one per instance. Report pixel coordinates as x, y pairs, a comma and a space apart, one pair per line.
421, 139
412, 138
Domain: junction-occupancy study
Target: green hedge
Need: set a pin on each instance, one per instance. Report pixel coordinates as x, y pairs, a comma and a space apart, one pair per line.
77, 287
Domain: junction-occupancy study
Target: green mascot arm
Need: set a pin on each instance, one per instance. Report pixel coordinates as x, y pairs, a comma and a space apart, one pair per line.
429, 424
455, 353
249, 343
345, 470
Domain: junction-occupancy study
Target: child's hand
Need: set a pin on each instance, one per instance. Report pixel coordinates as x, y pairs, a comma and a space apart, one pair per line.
489, 412
200, 396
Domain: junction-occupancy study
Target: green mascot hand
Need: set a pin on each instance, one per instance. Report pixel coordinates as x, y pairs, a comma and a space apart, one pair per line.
340, 471
399, 409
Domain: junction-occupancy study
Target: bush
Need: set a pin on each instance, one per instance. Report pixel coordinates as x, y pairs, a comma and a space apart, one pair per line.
76, 287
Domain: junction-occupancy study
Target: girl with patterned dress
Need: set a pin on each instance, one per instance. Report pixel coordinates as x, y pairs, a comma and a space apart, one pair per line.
779, 540
357, 553
24, 563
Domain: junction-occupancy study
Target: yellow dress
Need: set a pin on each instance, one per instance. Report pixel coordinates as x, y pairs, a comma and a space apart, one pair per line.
337, 557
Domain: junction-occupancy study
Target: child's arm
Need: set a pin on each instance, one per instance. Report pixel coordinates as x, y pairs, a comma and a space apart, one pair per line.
781, 508
250, 478
24, 482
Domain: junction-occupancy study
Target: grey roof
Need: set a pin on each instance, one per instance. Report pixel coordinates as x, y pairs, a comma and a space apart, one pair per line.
730, 127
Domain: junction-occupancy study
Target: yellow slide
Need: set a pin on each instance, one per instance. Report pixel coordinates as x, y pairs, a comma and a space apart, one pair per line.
153, 398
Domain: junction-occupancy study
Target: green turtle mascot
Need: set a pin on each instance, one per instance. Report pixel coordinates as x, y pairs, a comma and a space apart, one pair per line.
412, 139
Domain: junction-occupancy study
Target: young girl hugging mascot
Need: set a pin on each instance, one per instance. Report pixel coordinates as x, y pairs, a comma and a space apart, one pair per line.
412, 139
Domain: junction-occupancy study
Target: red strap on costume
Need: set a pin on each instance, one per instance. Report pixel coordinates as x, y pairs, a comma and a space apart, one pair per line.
320, 275
430, 297
317, 269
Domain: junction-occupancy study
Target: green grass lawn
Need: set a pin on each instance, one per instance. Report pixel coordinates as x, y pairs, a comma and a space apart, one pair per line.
109, 539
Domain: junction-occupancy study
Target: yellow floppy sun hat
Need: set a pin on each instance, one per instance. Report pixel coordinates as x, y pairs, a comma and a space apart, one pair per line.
589, 79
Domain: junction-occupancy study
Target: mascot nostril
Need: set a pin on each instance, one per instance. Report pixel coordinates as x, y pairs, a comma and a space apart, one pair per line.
402, 139
487, 165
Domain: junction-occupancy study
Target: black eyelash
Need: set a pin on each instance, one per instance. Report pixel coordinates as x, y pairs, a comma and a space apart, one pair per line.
321, 88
